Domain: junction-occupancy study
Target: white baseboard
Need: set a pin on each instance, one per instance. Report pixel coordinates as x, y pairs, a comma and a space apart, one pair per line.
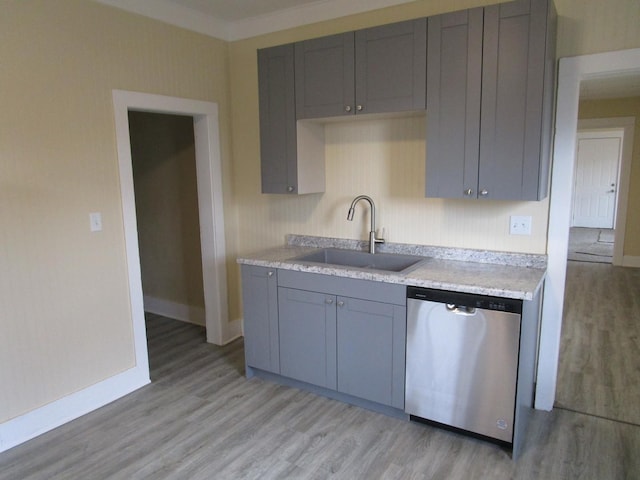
41, 420
629, 261
177, 311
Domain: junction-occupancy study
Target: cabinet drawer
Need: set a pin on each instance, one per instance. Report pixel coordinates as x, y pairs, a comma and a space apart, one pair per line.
347, 287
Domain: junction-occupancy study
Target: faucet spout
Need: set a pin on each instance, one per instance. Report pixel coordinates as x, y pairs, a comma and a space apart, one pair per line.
372, 232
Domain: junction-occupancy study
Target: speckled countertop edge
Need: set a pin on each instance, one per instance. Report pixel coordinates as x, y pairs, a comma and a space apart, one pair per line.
499, 274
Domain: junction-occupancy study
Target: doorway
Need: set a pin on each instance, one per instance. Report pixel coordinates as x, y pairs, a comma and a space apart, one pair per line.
595, 195
165, 182
572, 71
211, 214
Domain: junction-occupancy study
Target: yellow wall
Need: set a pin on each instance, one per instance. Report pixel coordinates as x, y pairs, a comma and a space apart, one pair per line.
164, 174
623, 107
595, 26
65, 322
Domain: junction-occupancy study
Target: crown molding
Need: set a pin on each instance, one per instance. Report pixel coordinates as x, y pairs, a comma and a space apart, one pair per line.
174, 14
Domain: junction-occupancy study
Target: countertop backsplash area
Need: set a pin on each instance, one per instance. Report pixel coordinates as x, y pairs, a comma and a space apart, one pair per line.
528, 260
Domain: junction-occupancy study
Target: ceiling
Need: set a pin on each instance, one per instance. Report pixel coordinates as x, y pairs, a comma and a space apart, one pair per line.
238, 19
234, 10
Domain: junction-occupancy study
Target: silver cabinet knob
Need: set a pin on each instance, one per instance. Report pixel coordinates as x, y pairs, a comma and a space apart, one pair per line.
484, 193
290, 189
341, 303
329, 301
359, 108
468, 192
347, 108
270, 274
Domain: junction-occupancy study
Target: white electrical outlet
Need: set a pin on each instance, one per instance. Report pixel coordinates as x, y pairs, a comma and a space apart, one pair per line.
95, 222
520, 225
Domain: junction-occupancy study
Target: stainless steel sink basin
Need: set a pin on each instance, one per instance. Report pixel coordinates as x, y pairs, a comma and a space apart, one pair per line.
389, 262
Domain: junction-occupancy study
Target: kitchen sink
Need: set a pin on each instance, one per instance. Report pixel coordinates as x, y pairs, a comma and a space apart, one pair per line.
389, 262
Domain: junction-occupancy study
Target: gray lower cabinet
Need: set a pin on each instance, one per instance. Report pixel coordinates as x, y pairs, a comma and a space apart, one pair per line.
346, 344
260, 306
489, 101
371, 350
344, 335
375, 70
307, 323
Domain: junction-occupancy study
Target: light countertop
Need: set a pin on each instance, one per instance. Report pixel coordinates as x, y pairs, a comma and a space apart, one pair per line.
499, 274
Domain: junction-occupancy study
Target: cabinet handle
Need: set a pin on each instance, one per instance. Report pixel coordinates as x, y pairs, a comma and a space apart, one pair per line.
347, 108
359, 108
484, 193
341, 303
468, 192
270, 274
329, 301
290, 189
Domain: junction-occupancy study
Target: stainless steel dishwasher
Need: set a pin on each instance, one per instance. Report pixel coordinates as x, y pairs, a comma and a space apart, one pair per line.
462, 361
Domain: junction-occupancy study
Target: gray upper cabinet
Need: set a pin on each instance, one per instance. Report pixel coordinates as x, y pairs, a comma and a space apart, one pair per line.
380, 69
453, 103
391, 67
260, 307
504, 152
324, 76
282, 169
277, 120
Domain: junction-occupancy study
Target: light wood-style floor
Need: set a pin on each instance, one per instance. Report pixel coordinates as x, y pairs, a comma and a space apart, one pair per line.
201, 419
599, 370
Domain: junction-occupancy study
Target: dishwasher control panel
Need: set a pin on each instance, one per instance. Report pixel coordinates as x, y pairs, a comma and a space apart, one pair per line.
466, 299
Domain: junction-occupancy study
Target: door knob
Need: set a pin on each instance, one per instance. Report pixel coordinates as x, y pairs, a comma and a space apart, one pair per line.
347, 108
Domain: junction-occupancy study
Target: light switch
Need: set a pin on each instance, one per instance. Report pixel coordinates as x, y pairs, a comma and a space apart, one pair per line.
95, 222
520, 225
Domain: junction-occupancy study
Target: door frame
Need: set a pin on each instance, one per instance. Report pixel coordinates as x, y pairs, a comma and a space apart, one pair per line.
572, 70
210, 206
627, 125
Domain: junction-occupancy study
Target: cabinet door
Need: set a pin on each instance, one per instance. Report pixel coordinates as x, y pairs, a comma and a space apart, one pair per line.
513, 78
324, 76
278, 154
260, 306
454, 63
391, 67
307, 336
371, 350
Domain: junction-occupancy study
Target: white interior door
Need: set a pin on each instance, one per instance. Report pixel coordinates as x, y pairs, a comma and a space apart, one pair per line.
596, 180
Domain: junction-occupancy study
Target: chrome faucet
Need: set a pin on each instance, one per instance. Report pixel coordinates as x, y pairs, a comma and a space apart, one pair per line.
372, 234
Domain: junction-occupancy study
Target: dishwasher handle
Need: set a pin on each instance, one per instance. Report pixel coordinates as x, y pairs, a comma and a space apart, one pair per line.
461, 309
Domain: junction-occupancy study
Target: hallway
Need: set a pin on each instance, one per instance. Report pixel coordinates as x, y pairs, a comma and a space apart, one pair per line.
599, 370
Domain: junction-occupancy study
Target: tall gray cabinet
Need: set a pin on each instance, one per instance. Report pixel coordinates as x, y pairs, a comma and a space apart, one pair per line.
278, 151
489, 101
